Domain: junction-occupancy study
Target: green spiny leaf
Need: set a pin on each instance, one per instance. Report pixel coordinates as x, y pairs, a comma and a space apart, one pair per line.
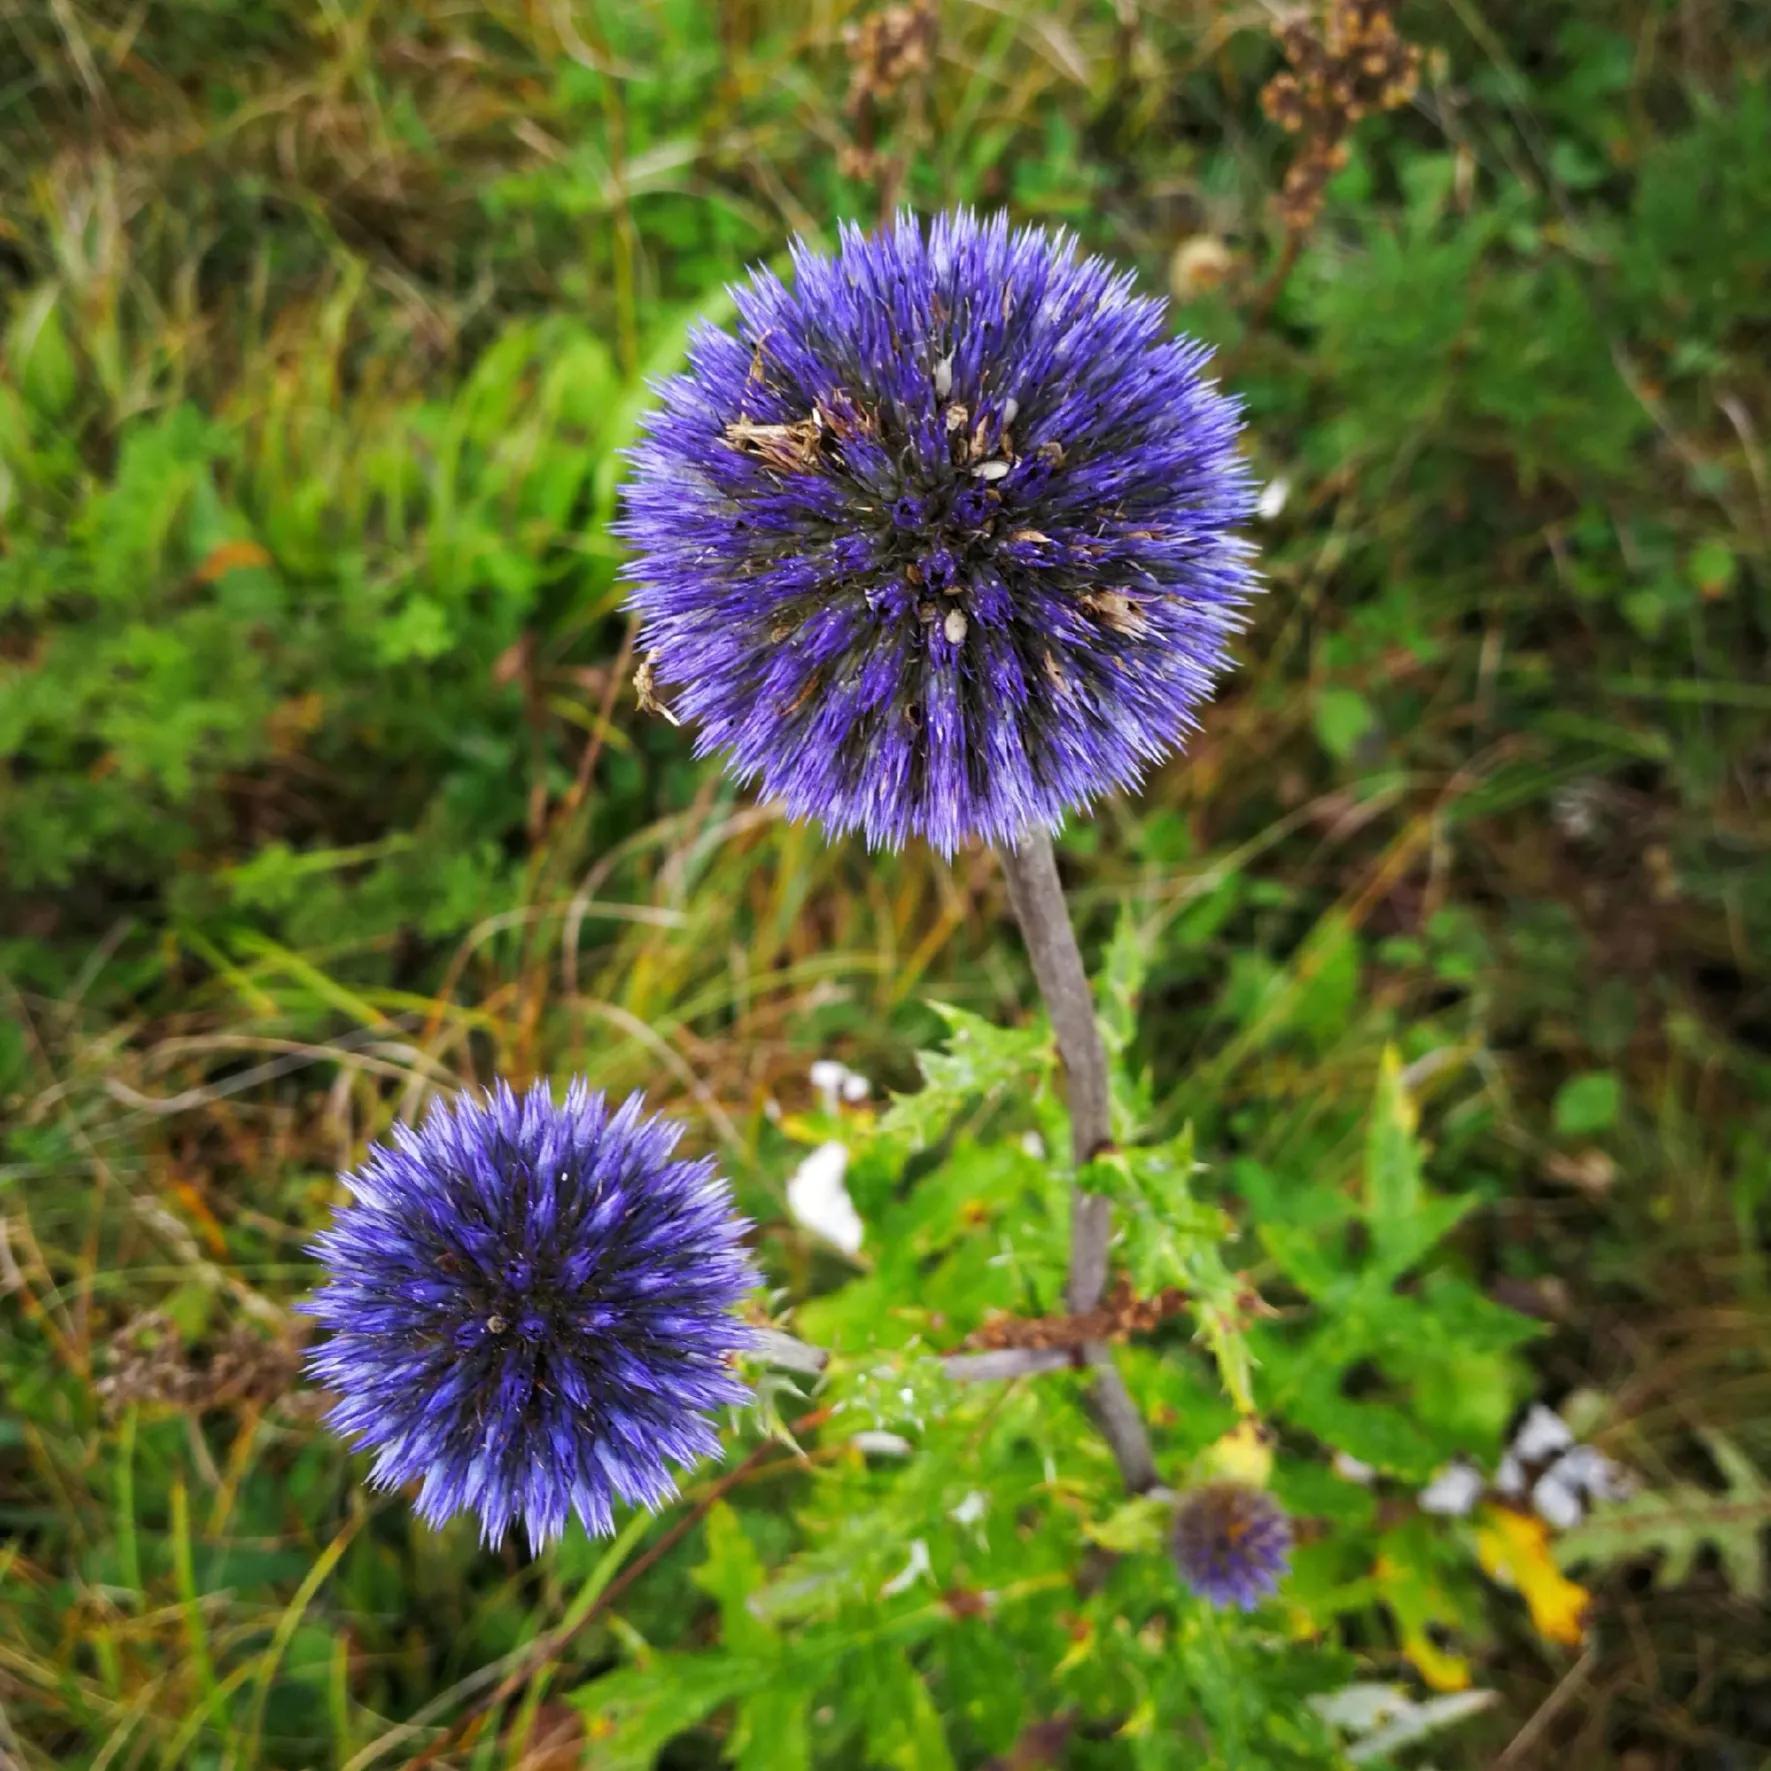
1123, 971
980, 1058
1174, 1239
1677, 1522
732, 1573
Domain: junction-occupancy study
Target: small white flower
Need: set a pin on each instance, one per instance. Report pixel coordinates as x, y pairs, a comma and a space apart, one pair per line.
1453, 1492
1033, 1144
1272, 499
1357, 1709
1353, 1469
1541, 1434
1588, 1468
827, 1077
971, 1509
910, 1573
878, 1444
1582, 1474
1380, 1719
837, 1082
820, 1202
1556, 1500
1509, 1478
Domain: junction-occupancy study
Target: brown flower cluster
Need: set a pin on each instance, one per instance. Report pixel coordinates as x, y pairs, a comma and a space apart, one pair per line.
1344, 64
150, 1364
1117, 1317
886, 50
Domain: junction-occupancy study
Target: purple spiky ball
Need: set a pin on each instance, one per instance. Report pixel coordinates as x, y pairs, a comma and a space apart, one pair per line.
942, 542
1232, 1543
529, 1310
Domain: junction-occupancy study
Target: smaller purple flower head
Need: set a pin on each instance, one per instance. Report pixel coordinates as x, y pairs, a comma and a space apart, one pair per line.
942, 542
529, 1306
1232, 1543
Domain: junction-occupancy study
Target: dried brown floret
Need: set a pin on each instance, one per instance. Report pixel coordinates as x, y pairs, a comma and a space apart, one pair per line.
151, 1365
789, 448
1119, 1316
1345, 62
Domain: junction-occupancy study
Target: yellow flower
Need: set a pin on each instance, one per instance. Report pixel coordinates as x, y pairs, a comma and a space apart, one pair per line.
1244, 1454
1514, 1549
1418, 1604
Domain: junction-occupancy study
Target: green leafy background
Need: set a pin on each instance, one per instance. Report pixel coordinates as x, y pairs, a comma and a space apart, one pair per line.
1435, 973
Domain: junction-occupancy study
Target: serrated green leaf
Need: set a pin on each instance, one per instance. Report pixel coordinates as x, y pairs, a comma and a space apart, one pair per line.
732, 1573
1466, 1318
1172, 1238
1410, 1239
1219, 1316
1675, 1524
1302, 1257
1376, 1433
1125, 966
633, 1713
979, 1059
902, 1725
772, 1730
1134, 1527
1409, 1584
1121, 983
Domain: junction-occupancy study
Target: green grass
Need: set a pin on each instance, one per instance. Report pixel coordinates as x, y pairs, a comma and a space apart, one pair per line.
322, 786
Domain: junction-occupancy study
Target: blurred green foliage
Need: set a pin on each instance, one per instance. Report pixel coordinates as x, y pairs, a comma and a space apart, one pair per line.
1436, 973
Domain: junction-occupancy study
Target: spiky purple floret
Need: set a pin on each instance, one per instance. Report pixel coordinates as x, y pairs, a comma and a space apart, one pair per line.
940, 544
1232, 1543
529, 1305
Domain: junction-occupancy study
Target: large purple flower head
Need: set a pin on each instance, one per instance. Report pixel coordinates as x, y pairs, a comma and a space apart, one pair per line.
1232, 1543
529, 1307
941, 543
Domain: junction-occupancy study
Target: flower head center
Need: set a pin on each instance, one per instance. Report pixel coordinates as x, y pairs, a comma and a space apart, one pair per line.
949, 542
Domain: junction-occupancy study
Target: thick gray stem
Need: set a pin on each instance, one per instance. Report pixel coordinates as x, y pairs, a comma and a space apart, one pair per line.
1036, 893
1002, 1363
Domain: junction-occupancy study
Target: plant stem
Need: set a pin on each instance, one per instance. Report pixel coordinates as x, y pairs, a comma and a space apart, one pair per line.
1037, 895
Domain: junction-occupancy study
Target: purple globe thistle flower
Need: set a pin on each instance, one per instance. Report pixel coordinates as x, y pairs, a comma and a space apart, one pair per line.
529, 1307
1232, 1543
940, 544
